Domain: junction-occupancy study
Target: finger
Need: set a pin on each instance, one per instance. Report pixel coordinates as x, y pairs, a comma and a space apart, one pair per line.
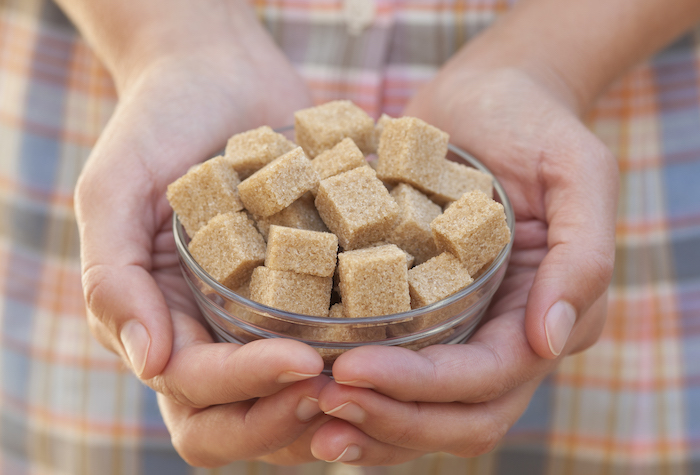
299, 451
339, 441
121, 206
496, 359
465, 430
201, 373
221, 434
128, 314
580, 202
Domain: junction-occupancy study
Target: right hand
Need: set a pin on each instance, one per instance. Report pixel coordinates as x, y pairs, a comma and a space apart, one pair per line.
221, 401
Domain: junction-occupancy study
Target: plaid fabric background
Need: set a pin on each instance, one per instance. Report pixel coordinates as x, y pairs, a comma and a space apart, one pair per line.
629, 405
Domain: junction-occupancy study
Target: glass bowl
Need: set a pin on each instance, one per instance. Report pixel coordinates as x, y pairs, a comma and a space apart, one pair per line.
235, 318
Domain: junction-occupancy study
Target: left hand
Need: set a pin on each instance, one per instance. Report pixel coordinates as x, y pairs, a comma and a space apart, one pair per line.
392, 404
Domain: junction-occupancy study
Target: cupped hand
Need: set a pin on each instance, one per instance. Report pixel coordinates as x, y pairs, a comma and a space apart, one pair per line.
221, 402
391, 404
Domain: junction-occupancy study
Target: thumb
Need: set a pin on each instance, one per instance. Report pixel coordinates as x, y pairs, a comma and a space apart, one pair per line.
580, 206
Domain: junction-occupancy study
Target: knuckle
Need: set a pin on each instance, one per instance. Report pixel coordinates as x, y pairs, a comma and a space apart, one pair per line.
191, 452
486, 441
95, 281
168, 388
486, 444
507, 379
100, 332
402, 435
494, 390
268, 442
599, 265
389, 457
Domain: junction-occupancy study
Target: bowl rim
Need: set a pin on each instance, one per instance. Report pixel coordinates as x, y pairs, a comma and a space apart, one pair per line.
479, 282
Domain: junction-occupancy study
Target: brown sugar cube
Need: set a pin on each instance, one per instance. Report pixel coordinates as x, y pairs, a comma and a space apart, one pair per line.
319, 128
473, 228
336, 311
342, 157
291, 292
301, 214
379, 128
249, 315
412, 232
374, 281
229, 248
301, 251
410, 260
249, 151
457, 179
278, 184
436, 279
203, 192
357, 207
411, 151
344, 331
341, 333
243, 290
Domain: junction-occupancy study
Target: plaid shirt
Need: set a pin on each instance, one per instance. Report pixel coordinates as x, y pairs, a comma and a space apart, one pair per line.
628, 405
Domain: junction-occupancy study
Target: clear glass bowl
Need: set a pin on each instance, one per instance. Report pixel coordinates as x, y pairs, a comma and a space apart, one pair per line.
235, 318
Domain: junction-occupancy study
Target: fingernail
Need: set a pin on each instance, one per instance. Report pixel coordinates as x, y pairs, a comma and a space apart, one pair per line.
136, 341
350, 412
350, 454
307, 408
558, 323
292, 377
356, 384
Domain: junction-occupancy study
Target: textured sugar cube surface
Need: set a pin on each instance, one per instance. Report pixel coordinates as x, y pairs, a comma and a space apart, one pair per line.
410, 260
301, 214
245, 313
374, 281
341, 333
473, 228
342, 157
437, 278
457, 179
249, 151
301, 251
203, 192
379, 128
291, 292
278, 184
412, 151
412, 231
357, 207
345, 332
229, 248
336, 311
319, 128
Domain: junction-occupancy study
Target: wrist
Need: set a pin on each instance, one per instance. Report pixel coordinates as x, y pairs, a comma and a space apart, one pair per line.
577, 49
131, 38
499, 52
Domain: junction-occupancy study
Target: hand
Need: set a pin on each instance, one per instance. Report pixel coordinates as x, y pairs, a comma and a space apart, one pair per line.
392, 404
176, 109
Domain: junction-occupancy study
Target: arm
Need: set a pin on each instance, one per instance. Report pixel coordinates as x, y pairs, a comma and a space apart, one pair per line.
189, 75
577, 48
568, 52
512, 97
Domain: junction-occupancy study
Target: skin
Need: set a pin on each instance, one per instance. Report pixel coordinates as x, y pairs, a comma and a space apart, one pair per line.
191, 74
